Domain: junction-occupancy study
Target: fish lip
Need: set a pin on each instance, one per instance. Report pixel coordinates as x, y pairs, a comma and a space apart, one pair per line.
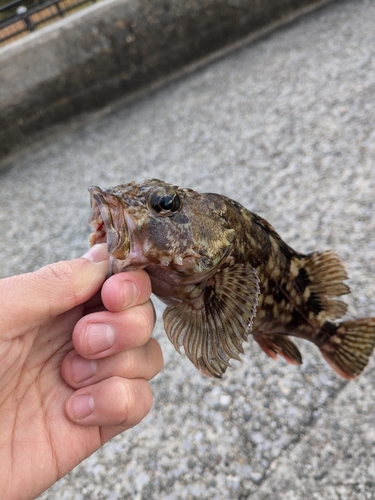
108, 223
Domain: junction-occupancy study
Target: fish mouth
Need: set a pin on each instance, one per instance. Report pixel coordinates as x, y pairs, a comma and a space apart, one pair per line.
109, 223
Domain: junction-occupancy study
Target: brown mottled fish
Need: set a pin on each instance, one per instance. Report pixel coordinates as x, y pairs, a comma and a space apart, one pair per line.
225, 273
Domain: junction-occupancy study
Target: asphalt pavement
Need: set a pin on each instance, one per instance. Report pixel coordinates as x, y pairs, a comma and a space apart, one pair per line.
285, 126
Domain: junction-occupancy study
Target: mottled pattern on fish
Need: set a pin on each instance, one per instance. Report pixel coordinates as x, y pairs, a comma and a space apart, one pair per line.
225, 273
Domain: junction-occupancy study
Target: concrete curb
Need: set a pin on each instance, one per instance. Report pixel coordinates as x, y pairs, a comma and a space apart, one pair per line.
115, 48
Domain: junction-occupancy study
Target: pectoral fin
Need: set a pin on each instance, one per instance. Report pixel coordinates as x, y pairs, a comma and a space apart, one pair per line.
212, 328
281, 345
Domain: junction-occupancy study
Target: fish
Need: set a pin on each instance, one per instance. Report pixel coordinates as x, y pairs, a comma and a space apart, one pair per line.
225, 274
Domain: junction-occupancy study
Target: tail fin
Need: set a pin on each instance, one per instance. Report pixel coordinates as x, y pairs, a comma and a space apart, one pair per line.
349, 348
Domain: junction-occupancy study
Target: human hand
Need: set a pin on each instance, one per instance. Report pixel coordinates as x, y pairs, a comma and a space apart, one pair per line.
74, 366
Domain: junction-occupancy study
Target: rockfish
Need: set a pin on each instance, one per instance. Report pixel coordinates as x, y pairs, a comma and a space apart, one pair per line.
225, 273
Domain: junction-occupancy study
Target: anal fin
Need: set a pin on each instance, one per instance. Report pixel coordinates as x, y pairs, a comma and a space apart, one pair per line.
274, 345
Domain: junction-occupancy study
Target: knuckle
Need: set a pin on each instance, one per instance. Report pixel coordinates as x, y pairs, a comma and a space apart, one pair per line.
54, 276
137, 401
126, 398
130, 363
144, 321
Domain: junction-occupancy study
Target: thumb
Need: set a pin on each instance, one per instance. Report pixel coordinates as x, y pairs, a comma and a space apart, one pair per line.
33, 298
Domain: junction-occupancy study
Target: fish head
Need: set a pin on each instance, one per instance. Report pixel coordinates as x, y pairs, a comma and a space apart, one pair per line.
157, 224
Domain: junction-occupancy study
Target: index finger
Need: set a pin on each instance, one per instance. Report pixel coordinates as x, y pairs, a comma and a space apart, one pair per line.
127, 289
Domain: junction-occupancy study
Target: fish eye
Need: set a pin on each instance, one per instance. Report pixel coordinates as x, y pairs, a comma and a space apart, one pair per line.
165, 203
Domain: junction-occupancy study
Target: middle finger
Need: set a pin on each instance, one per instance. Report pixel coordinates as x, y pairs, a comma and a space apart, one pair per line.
105, 333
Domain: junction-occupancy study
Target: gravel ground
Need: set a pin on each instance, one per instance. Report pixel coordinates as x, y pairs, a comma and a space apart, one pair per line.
286, 127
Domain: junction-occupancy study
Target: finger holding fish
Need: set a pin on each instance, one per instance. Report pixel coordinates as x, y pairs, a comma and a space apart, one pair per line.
104, 333
124, 290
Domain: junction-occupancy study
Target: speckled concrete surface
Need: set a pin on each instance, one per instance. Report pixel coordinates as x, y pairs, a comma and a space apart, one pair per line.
286, 126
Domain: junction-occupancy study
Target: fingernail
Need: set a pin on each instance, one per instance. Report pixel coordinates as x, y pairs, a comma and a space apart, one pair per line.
97, 253
129, 292
82, 369
99, 337
81, 406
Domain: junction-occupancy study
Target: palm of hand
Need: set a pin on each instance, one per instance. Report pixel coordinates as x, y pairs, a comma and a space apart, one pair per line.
39, 437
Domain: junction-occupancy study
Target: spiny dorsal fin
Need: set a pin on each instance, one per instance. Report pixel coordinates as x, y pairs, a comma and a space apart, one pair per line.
212, 330
349, 348
321, 276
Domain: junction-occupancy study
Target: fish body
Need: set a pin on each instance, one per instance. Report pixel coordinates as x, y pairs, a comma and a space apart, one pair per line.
224, 274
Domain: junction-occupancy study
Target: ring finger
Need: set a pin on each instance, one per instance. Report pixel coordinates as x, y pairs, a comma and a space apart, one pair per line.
142, 362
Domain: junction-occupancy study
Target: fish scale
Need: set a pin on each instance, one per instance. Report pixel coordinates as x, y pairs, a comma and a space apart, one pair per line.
225, 274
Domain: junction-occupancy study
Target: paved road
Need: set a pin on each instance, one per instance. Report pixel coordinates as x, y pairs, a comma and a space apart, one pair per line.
286, 127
